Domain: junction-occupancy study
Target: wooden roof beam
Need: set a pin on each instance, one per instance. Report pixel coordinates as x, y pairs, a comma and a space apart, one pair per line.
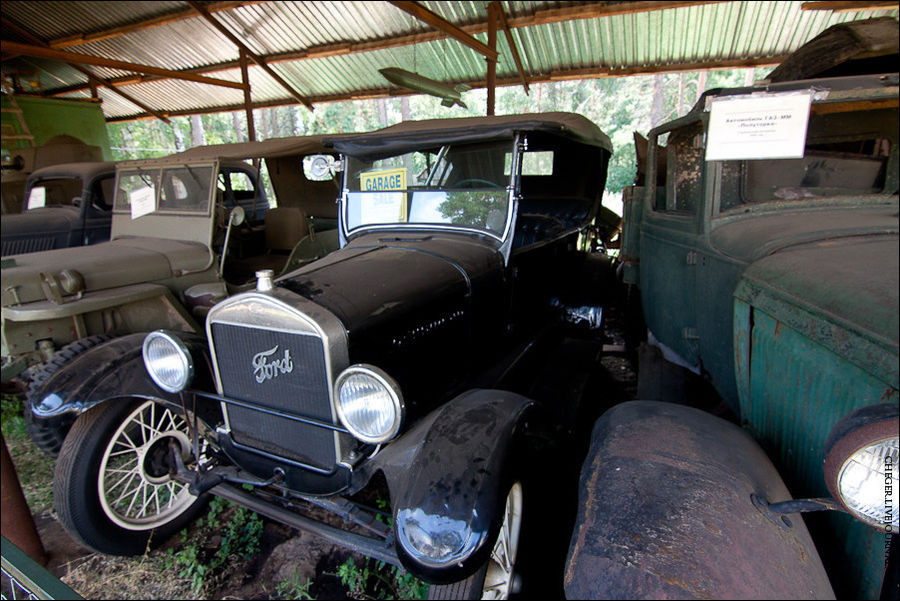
93, 80
840, 7
85, 59
426, 16
172, 17
201, 10
543, 17
563, 75
513, 49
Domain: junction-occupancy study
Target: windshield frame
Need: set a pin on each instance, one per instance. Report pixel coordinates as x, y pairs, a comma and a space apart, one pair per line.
512, 189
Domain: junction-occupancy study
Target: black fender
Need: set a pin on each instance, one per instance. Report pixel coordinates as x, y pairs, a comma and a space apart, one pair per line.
114, 369
455, 465
666, 511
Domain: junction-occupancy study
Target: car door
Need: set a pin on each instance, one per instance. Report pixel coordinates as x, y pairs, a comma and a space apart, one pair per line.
97, 209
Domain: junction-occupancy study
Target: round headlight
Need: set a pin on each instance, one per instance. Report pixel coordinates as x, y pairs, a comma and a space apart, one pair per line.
168, 361
861, 459
369, 403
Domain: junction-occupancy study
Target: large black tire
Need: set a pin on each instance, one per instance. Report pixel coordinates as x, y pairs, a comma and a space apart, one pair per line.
496, 579
121, 448
49, 438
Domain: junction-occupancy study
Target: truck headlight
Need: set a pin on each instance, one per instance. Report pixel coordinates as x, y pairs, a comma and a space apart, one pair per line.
861, 459
168, 361
369, 403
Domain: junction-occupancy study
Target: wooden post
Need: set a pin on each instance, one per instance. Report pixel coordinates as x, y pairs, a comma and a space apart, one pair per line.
492, 63
17, 523
248, 108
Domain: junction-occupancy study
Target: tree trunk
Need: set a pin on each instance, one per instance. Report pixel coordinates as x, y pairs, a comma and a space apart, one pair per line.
179, 136
657, 109
404, 108
198, 136
239, 135
382, 112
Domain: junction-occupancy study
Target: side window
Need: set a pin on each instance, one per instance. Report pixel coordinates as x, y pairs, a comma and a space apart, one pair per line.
684, 172
846, 153
101, 200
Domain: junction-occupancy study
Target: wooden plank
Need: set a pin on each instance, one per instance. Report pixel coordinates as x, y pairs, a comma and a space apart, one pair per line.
492, 64
426, 16
248, 103
845, 6
85, 59
173, 17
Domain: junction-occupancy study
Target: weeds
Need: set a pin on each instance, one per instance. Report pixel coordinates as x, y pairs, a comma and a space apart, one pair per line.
34, 468
291, 588
213, 548
377, 580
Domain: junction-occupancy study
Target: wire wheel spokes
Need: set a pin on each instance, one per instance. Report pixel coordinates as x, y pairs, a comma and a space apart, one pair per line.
498, 581
135, 489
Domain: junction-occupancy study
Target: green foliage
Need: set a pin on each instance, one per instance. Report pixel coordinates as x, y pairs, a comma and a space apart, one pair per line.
214, 548
292, 588
33, 468
377, 580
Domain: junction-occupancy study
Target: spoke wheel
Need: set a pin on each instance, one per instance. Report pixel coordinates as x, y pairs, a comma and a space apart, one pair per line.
499, 578
134, 485
111, 487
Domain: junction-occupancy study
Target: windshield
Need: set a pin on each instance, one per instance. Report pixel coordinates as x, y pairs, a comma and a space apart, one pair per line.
182, 189
461, 186
54, 192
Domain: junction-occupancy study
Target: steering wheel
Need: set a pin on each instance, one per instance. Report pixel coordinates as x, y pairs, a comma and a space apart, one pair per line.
463, 183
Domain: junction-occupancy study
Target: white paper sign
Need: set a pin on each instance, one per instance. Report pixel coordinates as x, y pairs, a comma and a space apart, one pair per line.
143, 202
764, 126
37, 198
383, 207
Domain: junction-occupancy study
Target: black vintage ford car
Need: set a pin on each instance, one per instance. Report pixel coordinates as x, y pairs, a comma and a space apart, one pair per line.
402, 358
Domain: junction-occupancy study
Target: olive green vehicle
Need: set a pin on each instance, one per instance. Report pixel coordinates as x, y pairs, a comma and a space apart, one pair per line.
187, 231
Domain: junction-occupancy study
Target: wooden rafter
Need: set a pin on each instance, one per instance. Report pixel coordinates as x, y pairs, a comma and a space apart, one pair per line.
438, 22
180, 15
513, 48
542, 17
201, 10
85, 59
562, 75
850, 6
93, 80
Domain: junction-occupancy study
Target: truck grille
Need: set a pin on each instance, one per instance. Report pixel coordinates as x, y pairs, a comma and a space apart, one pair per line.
27, 245
282, 371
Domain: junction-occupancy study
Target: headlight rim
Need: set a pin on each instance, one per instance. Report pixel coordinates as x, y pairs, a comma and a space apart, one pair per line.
864, 427
394, 392
184, 352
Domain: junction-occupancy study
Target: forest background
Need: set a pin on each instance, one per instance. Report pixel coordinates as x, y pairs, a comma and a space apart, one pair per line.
619, 106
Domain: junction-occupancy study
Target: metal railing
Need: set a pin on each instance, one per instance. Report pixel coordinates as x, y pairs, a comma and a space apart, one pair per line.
23, 578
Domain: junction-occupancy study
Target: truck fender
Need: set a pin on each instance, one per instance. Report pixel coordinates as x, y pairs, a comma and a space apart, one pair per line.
453, 466
110, 370
666, 511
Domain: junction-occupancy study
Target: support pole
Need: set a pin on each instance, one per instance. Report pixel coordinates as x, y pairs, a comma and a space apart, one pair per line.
15, 519
248, 108
492, 62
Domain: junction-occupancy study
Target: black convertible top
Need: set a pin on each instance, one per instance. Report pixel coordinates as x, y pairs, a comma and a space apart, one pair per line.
415, 135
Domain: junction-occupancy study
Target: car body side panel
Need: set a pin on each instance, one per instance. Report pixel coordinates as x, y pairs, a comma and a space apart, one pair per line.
794, 391
672, 517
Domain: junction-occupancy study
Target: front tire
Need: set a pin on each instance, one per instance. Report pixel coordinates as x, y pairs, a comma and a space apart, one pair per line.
497, 578
111, 487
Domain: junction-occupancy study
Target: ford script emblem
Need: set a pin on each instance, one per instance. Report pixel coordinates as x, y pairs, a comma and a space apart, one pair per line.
265, 368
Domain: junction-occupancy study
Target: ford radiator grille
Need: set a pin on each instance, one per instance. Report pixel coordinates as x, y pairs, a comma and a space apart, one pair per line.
281, 371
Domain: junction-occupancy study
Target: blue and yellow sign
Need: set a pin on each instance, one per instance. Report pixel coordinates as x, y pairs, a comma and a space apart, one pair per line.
382, 181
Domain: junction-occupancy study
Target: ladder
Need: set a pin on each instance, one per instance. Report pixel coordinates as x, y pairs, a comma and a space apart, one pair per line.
23, 127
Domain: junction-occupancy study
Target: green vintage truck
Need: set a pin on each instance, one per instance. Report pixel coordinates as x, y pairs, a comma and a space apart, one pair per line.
762, 254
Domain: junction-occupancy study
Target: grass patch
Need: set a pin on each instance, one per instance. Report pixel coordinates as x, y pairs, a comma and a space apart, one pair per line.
34, 468
377, 580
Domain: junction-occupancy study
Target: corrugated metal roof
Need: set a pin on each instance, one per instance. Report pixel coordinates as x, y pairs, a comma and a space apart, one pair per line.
552, 45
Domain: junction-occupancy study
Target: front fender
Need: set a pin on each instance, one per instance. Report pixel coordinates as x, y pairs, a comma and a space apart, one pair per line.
450, 471
109, 370
665, 511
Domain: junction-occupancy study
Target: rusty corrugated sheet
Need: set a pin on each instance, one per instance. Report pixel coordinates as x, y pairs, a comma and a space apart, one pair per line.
690, 34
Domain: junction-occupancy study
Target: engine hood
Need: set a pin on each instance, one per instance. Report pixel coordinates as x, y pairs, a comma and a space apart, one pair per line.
840, 291
379, 279
107, 265
46, 220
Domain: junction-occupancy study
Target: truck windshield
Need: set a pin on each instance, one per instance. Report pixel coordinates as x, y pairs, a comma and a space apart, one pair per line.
182, 189
463, 186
